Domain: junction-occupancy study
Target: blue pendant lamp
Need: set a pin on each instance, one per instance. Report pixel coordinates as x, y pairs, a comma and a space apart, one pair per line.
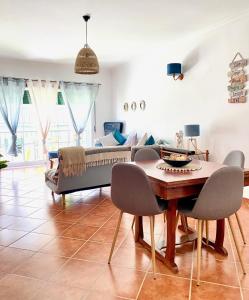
175, 70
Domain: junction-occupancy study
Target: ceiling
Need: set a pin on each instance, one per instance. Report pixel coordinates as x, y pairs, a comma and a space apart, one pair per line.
53, 30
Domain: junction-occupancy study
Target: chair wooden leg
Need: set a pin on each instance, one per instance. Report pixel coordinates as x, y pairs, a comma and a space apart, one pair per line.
177, 218
207, 231
63, 199
52, 193
133, 222
236, 245
165, 216
199, 242
153, 251
240, 228
115, 236
184, 224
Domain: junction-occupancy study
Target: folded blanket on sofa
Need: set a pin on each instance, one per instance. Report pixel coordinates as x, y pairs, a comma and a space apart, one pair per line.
108, 156
93, 157
72, 160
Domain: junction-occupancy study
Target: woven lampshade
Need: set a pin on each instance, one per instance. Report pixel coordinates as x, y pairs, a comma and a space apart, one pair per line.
86, 62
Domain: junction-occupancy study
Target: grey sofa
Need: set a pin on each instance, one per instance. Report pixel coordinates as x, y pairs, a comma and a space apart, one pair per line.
93, 177
158, 148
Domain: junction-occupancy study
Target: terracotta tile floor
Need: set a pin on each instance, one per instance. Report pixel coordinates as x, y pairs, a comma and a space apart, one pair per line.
52, 252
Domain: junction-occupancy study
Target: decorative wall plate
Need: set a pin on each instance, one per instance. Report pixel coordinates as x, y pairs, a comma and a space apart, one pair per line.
126, 106
133, 105
142, 105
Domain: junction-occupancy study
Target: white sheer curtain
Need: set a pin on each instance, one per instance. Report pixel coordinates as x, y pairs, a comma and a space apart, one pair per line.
80, 98
44, 96
11, 95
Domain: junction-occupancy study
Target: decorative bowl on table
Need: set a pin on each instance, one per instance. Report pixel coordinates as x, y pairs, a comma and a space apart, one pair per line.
177, 160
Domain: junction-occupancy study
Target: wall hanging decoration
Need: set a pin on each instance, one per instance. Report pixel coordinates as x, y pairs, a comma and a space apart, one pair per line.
238, 79
86, 61
126, 106
134, 106
142, 105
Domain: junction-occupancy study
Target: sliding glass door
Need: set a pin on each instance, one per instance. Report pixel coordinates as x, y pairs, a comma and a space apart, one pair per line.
30, 148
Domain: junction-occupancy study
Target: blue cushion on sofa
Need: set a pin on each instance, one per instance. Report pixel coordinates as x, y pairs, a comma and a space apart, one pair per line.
150, 141
119, 137
52, 154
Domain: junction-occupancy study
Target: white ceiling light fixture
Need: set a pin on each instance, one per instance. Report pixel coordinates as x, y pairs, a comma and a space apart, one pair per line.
86, 61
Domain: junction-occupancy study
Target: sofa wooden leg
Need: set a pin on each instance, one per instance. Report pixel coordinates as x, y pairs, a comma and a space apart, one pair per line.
51, 163
63, 199
52, 193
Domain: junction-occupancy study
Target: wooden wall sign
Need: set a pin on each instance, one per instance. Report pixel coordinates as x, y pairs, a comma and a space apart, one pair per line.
238, 79
241, 99
238, 93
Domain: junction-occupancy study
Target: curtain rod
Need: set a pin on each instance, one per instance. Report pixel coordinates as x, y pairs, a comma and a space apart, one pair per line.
53, 81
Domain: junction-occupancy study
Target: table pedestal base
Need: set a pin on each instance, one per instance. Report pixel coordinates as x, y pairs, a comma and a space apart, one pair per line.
168, 258
160, 256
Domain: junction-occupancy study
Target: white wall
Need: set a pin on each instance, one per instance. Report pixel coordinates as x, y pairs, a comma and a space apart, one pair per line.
52, 71
202, 96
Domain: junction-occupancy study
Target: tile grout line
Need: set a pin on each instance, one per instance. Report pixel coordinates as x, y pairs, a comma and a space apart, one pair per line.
71, 257
59, 212
45, 221
67, 258
39, 250
236, 266
147, 270
85, 241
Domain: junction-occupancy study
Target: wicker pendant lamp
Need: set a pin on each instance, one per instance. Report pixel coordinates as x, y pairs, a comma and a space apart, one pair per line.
86, 61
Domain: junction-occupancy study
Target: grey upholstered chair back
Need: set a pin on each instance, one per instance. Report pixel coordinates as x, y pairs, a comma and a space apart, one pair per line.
221, 195
131, 191
235, 158
146, 154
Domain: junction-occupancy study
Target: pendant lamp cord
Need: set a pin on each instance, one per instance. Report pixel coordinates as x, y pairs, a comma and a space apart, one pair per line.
86, 33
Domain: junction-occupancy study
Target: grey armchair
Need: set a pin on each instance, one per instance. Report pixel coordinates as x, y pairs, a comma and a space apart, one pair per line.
220, 198
131, 192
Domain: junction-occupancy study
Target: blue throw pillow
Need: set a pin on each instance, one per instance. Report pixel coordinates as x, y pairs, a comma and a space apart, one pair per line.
150, 141
119, 137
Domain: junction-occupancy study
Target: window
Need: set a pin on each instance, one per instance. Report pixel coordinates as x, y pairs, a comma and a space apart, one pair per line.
29, 143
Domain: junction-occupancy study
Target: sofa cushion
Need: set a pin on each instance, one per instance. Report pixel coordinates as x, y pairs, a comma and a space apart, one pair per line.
131, 139
108, 140
150, 141
142, 140
119, 137
52, 154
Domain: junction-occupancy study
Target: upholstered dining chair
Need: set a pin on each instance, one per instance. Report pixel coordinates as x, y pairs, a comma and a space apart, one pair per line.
142, 155
236, 158
131, 192
220, 197
146, 154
